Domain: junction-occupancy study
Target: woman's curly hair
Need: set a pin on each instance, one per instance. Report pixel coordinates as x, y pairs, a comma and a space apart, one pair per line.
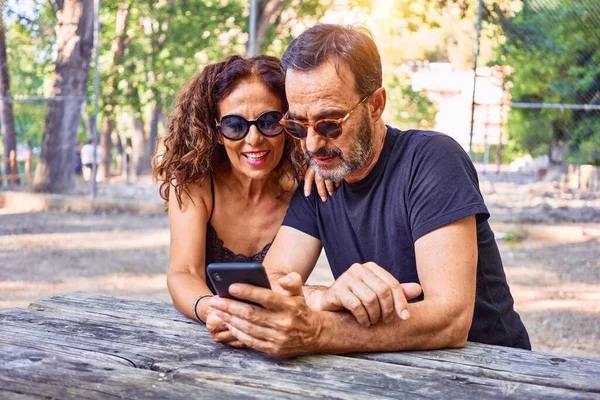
191, 151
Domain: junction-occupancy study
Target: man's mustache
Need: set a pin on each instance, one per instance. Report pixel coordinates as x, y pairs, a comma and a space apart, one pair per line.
323, 153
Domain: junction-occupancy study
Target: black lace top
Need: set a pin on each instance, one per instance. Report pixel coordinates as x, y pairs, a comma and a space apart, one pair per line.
217, 252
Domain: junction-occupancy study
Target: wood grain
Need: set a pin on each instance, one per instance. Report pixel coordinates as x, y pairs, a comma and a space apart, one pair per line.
91, 346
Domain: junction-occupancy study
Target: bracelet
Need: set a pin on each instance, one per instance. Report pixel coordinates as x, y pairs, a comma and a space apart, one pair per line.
195, 304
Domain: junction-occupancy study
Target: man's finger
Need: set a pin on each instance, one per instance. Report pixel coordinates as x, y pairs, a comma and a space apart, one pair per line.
251, 329
255, 294
249, 341
411, 290
383, 292
223, 336
256, 314
368, 298
292, 284
345, 298
400, 302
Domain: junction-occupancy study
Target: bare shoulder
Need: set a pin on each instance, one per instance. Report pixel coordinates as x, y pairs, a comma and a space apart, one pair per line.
195, 197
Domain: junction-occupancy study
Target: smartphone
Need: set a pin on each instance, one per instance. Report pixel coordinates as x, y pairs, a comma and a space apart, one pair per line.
222, 275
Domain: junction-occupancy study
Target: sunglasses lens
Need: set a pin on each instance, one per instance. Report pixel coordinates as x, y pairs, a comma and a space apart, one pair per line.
329, 129
295, 129
268, 123
233, 127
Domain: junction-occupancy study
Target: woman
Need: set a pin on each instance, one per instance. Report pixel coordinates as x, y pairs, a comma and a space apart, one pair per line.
228, 174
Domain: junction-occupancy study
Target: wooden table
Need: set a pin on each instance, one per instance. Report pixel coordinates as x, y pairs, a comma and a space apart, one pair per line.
89, 346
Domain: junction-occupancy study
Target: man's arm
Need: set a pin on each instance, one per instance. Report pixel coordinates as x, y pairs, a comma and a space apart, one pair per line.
446, 264
294, 251
447, 268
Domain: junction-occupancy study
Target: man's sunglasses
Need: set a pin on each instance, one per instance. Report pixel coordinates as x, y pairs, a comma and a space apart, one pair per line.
329, 128
236, 127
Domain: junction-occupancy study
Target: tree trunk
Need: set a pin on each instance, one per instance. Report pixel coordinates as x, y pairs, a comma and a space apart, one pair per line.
141, 158
266, 10
75, 33
116, 139
7, 119
156, 118
87, 121
118, 48
127, 156
106, 145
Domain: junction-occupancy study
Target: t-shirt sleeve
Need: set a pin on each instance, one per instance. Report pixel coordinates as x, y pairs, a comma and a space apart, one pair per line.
443, 187
301, 213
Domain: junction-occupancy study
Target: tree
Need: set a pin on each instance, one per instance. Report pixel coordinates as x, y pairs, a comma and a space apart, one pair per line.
276, 19
30, 40
7, 120
109, 91
55, 169
554, 50
407, 108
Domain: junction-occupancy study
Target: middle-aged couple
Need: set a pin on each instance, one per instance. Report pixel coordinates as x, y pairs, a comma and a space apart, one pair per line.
406, 222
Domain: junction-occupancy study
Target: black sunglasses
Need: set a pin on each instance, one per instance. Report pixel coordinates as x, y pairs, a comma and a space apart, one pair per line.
236, 127
329, 128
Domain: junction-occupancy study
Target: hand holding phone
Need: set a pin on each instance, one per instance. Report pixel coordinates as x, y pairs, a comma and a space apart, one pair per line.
223, 275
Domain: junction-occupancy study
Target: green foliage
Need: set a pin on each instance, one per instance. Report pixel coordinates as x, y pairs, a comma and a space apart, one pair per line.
510, 151
406, 108
555, 55
299, 12
30, 46
166, 43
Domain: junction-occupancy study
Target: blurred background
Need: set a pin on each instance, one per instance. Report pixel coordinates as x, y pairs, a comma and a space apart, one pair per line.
515, 82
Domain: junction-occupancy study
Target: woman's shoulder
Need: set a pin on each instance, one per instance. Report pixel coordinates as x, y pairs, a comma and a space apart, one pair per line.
196, 195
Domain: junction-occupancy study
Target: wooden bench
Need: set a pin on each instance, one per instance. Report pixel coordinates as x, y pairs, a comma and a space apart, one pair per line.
93, 346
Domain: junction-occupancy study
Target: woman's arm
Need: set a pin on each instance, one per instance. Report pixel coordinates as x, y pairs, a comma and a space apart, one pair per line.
186, 278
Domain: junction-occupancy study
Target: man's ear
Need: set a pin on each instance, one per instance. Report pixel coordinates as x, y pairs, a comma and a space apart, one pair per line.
378, 101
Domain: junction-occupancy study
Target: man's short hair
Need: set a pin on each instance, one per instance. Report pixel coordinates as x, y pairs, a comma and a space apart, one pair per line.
351, 45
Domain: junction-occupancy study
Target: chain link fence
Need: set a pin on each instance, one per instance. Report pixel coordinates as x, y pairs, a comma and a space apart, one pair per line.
548, 56
29, 29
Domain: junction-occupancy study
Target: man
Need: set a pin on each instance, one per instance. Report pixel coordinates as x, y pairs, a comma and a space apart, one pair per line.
408, 209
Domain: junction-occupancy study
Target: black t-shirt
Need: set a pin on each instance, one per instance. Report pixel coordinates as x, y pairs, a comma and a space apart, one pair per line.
421, 181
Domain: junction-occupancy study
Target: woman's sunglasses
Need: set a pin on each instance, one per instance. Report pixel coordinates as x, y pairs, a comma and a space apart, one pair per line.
235, 127
329, 128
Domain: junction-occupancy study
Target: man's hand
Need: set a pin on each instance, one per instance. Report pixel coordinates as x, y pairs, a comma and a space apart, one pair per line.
370, 293
286, 326
218, 330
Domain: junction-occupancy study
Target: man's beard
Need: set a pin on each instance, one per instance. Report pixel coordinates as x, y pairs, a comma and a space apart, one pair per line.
355, 159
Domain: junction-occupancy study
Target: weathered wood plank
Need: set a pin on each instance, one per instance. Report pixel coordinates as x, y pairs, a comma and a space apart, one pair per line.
359, 379
476, 359
141, 345
31, 372
509, 364
329, 376
118, 333
111, 306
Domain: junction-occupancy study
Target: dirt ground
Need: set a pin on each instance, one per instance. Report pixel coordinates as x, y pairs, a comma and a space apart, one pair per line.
549, 239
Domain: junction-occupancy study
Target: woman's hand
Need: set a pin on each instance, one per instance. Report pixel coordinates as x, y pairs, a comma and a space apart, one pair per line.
324, 187
218, 330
